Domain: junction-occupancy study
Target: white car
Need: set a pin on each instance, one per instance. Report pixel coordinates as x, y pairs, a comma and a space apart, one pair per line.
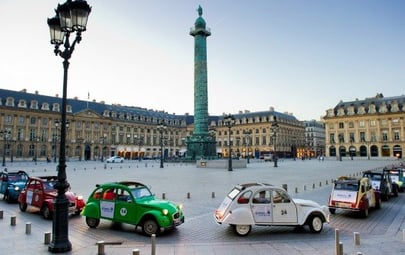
266, 205
115, 159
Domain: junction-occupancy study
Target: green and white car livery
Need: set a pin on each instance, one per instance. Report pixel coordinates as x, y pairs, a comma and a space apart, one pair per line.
132, 203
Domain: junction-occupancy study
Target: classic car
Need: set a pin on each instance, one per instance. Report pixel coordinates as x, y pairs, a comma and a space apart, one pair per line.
381, 180
39, 192
132, 203
354, 194
11, 184
267, 205
397, 175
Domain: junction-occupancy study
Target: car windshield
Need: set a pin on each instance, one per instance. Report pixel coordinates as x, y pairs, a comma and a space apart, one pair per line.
17, 177
374, 177
347, 186
49, 185
141, 192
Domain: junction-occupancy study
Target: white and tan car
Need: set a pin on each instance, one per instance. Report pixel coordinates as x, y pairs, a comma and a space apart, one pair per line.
267, 205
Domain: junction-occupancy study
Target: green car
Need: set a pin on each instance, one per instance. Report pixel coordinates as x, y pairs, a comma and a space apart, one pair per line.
131, 203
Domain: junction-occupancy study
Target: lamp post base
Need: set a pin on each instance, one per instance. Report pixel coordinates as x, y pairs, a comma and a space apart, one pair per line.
60, 240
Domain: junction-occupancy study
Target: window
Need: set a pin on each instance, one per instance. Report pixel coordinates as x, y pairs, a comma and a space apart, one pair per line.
33, 120
245, 197
21, 120
332, 138
373, 123
384, 135
341, 125
351, 125
362, 137
396, 135
262, 197
341, 138
8, 119
361, 123
351, 135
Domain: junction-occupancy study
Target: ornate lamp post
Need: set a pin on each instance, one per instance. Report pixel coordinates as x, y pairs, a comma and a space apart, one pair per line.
161, 128
71, 16
102, 140
248, 134
274, 130
5, 134
229, 121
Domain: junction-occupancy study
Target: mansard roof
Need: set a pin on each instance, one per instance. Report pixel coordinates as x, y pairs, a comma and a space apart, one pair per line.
371, 105
126, 112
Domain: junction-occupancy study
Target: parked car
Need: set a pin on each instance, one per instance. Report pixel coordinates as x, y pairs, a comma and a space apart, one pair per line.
115, 159
397, 175
266, 205
39, 192
11, 184
354, 194
132, 203
380, 180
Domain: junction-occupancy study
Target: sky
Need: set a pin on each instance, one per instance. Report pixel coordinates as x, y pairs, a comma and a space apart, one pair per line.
298, 56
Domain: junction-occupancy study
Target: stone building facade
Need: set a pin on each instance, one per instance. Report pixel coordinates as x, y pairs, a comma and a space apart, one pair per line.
373, 127
29, 125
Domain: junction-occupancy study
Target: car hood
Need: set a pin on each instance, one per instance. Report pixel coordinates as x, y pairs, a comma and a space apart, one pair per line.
69, 195
19, 184
160, 204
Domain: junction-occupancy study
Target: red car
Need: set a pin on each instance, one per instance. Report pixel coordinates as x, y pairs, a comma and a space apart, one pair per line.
39, 192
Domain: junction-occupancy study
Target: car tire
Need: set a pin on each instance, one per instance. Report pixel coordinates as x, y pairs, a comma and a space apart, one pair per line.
6, 197
378, 203
46, 212
385, 196
332, 210
23, 206
92, 222
395, 188
315, 224
150, 227
242, 230
364, 213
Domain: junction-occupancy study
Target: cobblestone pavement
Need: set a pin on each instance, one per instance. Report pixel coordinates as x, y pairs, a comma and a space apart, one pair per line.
201, 190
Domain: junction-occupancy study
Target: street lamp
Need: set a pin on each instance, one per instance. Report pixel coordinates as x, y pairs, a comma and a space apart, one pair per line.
247, 134
229, 121
5, 134
139, 142
71, 16
274, 130
161, 128
102, 146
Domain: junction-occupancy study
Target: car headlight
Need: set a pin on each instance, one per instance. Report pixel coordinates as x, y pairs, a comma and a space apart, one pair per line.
79, 197
16, 188
165, 211
180, 206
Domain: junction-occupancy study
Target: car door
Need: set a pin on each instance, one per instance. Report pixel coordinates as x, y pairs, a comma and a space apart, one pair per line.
261, 207
283, 207
37, 194
125, 208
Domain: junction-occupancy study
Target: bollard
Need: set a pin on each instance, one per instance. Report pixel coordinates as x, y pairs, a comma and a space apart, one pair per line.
163, 195
340, 248
337, 247
285, 187
213, 195
326, 182
100, 247
296, 190
188, 194
28, 228
153, 238
13, 220
135, 252
356, 238
403, 234
305, 187
359, 253
313, 186
320, 184
1, 214
47, 238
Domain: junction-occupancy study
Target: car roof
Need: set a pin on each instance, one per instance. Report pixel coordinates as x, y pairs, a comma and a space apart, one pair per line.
122, 183
375, 171
347, 179
44, 178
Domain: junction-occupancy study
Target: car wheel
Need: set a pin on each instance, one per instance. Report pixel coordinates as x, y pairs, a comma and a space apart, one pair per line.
150, 227
6, 197
46, 212
332, 210
92, 222
23, 206
315, 224
395, 190
378, 203
364, 213
385, 196
242, 230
